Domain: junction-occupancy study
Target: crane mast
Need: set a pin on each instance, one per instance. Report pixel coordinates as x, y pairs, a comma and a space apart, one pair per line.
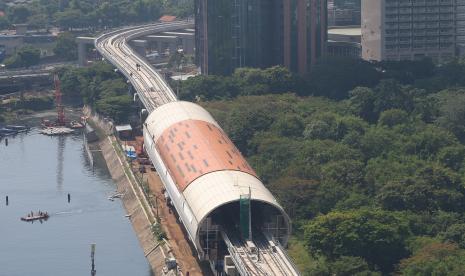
58, 102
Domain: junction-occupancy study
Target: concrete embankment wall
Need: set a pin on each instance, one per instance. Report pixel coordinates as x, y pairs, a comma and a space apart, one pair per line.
140, 222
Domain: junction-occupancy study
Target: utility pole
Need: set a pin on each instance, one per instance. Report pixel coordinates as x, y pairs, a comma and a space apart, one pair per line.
93, 272
250, 214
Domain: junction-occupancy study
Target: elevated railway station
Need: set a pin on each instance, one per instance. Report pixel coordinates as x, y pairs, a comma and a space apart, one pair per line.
230, 217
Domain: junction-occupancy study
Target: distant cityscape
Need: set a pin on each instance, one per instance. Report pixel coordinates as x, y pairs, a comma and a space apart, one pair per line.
296, 33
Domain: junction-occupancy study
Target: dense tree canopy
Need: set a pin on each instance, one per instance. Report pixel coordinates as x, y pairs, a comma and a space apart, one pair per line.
66, 47
25, 57
374, 182
95, 14
100, 87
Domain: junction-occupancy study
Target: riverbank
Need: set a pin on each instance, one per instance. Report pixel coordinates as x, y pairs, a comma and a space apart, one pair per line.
139, 214
144, 202
56, 167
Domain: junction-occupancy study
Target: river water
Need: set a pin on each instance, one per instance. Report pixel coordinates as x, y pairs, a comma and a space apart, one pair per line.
37, 173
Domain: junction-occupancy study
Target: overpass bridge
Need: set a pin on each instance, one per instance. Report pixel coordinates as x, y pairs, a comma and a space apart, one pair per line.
230, 217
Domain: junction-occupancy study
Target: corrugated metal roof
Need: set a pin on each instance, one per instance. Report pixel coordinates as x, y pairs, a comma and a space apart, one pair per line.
192, 148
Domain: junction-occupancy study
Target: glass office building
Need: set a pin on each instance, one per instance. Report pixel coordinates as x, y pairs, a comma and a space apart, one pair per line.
259, 33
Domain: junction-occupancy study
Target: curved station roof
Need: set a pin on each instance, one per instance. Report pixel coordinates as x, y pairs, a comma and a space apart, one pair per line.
193, 148
206, 167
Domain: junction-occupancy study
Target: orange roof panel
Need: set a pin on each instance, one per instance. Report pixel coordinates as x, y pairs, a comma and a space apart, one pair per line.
167, 18
192, 148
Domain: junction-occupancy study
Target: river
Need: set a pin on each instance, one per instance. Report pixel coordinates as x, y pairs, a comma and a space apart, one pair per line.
37, 173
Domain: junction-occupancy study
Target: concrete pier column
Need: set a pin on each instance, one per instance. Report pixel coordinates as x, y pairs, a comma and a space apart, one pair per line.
140, 46
188, 45
160, 48
82, 58
173, 47
82, 44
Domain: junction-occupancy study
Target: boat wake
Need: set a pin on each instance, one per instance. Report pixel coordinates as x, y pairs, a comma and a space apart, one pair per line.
69, 212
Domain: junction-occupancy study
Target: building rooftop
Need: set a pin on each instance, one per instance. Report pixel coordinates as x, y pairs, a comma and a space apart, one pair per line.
167, 18
123, 128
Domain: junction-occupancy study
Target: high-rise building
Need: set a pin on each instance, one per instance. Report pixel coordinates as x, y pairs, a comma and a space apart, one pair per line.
259, 33
412, 29
343, 15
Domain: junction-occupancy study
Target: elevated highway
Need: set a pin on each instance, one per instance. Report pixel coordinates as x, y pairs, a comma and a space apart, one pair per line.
212, 187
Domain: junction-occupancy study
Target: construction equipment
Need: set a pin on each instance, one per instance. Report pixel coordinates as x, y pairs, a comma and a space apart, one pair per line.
58, 97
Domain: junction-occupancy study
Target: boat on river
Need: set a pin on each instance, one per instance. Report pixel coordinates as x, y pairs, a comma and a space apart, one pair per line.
55, 131
33, 217
18, 128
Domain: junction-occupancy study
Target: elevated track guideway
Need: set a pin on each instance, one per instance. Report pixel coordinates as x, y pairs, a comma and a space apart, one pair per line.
152, 89
263, 255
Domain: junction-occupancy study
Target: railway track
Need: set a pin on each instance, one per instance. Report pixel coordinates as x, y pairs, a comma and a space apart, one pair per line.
151, 87
260, 257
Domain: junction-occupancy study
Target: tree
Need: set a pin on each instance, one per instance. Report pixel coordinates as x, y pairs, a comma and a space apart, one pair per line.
377, 236
4, 23
393, 117
295, 195
208, 88
66, 46
435, 258
407, 71
452, 112
117, 107
361, 103
18, 14
335, 77
455, 234
69, 19
38, 21
289, 125
24, 57
389, 94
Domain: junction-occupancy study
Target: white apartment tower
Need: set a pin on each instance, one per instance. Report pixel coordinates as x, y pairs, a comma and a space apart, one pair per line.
412, 29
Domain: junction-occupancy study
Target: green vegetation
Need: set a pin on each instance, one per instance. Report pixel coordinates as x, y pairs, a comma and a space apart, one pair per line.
372, 176
25, 57
158, 232
100, 87
92, 14
25, 104
66, 47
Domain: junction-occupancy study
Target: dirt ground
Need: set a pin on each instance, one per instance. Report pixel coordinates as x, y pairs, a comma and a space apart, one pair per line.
176, 236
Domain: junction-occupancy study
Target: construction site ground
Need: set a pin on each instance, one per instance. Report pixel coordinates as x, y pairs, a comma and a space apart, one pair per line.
168, 218
178, 240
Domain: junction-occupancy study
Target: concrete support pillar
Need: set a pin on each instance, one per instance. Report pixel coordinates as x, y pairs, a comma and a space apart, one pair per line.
140, 46
140, 50
173, 47
82, 57
188, 46
82, 43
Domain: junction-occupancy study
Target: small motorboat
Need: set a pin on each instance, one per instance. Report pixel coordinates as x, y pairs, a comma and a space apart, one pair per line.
37, 216
75, 125
113, 197
7, 131
18, 128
